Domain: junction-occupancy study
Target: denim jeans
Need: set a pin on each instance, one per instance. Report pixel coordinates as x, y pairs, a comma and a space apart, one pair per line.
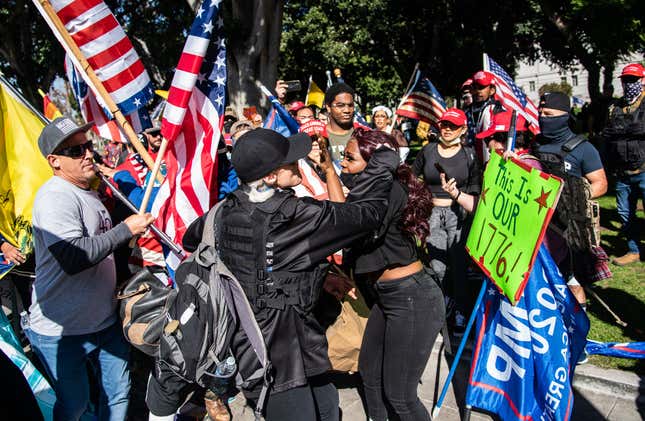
399, 337
65, 358
629, 188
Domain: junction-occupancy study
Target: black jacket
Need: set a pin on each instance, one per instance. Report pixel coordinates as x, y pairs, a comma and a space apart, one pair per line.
303, 232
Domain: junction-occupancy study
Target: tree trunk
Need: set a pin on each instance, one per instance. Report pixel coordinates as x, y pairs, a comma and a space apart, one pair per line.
593, 81
253, 48
608, 83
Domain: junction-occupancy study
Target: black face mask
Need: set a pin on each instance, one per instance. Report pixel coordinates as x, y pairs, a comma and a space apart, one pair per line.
555, 129
348, 180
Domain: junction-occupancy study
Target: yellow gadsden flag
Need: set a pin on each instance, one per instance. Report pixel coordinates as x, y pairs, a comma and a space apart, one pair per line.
315, 95
22, 168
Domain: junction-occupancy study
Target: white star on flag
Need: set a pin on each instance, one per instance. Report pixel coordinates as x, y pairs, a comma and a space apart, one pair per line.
220, 80
137, 102
200, 12
208, 27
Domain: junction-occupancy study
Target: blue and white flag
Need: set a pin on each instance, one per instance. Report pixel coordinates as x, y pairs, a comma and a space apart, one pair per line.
634, 350
525, 355
279, 119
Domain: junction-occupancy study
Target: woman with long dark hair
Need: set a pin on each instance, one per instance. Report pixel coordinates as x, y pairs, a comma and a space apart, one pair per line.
408, 311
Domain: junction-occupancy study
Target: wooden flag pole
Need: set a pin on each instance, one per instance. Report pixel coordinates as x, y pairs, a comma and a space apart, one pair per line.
155, 172
97, 84
389, 128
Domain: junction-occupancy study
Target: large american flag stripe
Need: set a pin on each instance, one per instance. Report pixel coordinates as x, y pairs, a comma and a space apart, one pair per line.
511, 95
92, 110
426, 103
423, 101
192, 123
107, 49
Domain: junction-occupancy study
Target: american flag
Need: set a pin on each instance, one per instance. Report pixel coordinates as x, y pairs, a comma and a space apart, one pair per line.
423, 102
192, 123
511, 95
107, 49
93, 111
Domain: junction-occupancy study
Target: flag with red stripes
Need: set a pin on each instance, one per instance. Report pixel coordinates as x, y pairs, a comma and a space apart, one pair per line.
511, 95
107, 49
423, 102
192, 123
93, 111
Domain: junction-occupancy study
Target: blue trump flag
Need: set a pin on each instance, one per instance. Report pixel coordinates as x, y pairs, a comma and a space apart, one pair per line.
279, 118
634, 350
525, 355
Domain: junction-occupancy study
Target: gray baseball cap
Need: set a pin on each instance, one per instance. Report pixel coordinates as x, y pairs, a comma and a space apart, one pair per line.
57, 132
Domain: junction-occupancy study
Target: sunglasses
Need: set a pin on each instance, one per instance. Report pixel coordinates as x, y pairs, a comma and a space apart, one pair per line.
77, 151
448, 125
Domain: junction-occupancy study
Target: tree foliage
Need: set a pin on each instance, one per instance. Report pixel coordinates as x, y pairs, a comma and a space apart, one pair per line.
563, 87
376, 43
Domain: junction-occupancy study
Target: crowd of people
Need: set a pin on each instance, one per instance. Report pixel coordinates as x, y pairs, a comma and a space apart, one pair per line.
337, 195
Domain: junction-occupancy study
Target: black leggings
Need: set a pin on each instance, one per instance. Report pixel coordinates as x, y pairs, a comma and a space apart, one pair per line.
316, 401
399, 336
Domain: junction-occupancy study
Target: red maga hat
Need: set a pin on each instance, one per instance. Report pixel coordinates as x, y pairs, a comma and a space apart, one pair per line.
455, 116
296, 105
633, 69
484, 78
314, 127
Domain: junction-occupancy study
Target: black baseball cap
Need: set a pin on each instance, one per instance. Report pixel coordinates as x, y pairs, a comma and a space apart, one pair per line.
57, 132
260, 151
556, 101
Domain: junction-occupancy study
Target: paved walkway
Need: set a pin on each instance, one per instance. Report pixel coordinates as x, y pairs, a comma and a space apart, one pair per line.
599, 394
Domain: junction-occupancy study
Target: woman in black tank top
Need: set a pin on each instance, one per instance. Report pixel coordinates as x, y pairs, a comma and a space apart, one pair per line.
449, 159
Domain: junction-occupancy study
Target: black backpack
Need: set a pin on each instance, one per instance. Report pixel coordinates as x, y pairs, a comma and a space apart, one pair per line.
571, 217
205, 310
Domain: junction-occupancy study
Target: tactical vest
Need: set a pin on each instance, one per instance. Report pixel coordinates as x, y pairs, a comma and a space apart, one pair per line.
625, 133
245, 249
571, 217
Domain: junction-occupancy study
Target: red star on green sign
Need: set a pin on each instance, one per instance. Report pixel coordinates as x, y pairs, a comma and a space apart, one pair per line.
483, 195
542, 200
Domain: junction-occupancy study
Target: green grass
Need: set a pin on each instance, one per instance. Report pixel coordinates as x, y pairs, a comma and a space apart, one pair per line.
624, 293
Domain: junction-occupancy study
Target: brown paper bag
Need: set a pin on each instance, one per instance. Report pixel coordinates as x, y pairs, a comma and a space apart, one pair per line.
344, 339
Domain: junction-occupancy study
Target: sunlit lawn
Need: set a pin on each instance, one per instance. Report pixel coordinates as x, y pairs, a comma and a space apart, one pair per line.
624, 294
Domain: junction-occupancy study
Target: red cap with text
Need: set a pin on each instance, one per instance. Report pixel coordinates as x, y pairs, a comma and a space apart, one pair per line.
314, 127
634, 69
455, 116
483, 78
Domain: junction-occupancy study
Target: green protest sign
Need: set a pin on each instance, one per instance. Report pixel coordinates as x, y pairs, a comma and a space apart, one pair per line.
512, 215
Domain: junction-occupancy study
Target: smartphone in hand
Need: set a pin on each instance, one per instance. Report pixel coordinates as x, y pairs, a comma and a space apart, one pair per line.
293, 85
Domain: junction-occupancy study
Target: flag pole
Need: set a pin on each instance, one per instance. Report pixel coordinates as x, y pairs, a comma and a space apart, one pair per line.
413, 78
47, 11
462, 345
308, 89
153, 176
162, 235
